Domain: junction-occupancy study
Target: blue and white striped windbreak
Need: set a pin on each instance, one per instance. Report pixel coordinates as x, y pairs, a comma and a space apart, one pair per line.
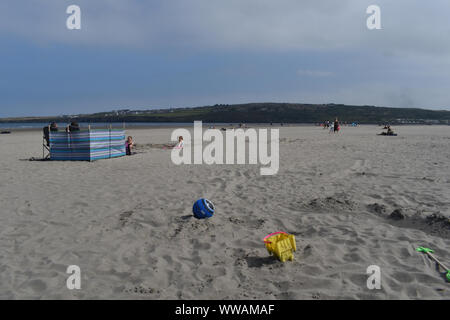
87, 145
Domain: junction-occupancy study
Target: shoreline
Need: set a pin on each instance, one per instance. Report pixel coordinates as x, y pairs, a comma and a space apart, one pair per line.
170, 126
235, 126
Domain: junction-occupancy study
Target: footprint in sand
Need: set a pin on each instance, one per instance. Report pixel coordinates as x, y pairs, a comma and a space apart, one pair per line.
37, 285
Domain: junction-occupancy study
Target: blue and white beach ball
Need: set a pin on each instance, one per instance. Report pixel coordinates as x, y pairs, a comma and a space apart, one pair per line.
203, 208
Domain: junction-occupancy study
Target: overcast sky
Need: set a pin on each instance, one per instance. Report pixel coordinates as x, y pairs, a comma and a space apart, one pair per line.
173, 53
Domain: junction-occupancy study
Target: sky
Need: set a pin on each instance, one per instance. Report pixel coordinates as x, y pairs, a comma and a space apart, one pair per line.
134, 54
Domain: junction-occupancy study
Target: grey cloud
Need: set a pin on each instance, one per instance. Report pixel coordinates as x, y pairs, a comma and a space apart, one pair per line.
414, 32
409, 26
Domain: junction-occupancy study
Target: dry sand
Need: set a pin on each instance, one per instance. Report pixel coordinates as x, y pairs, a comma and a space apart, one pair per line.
128, 222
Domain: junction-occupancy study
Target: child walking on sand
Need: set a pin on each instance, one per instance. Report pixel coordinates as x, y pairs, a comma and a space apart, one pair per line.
331, 128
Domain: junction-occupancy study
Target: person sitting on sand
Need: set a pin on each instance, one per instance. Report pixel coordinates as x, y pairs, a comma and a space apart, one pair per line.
178, 145
389, 131
53, 128
129, 144
74, 126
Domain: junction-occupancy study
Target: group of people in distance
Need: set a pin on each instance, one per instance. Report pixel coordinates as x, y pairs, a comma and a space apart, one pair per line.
333, 125
389, 131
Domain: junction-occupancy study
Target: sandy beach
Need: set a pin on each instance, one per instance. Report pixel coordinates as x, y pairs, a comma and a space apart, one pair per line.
128, 224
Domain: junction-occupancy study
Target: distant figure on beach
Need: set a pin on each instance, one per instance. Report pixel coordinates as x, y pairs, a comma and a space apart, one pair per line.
129, 144
178, 145
53, 128
331, 125
74, 126
336, 125
389, 131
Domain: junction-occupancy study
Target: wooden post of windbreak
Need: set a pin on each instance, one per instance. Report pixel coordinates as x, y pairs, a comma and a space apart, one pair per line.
90, 142
45, 142
109, 147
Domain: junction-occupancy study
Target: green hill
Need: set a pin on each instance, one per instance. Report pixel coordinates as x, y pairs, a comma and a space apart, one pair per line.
260, 113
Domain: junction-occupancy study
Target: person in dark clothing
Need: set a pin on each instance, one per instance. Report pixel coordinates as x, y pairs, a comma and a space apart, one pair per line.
74, 126
389, 131
53, 127
336, 125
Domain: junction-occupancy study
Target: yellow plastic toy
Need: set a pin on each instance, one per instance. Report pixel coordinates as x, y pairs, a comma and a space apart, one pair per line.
281, 244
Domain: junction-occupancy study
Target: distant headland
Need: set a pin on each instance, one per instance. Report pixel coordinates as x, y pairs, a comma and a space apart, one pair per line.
259, 113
